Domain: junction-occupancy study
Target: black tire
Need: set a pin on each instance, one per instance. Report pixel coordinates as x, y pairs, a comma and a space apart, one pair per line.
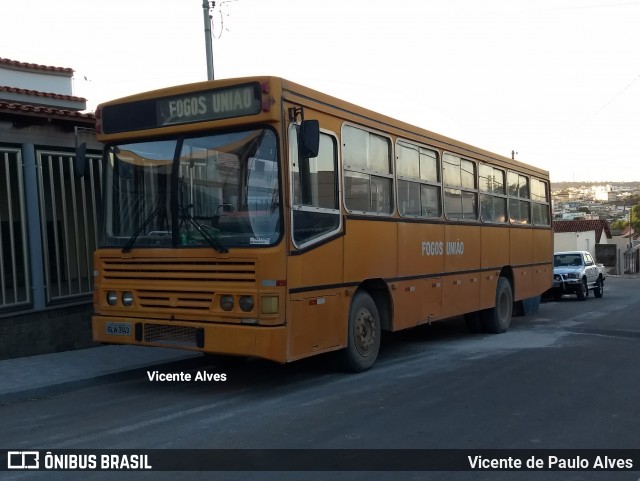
497, 319
599, 290
363, 335
583, 292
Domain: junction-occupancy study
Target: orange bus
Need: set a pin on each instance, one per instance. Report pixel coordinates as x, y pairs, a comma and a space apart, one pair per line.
257, 217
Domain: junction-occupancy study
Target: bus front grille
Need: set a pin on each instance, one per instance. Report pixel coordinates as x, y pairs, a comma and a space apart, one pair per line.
192, 301
169, 271
171, 335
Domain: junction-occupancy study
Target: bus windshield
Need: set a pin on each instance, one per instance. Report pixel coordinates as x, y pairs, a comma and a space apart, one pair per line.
218, 190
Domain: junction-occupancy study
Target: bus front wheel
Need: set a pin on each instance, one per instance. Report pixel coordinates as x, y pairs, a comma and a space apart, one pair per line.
498, 318
363, 336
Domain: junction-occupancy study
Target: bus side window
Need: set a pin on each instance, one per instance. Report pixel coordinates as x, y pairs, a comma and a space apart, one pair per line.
417, 170
368, 173
460, 193
540, 202
316, 214
519, 201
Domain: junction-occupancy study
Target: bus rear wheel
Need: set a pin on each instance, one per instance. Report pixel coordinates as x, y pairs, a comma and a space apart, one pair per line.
497, 319
363, 336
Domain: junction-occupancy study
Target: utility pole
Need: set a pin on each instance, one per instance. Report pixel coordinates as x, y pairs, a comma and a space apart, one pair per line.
207, 5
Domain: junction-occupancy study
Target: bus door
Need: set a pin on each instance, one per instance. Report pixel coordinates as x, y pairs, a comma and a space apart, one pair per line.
316, 299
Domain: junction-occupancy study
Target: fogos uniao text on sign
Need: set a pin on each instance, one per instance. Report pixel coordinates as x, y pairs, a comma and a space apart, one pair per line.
451, 248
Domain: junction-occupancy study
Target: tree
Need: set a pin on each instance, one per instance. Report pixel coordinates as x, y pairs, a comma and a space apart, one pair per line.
619, 224
635, 218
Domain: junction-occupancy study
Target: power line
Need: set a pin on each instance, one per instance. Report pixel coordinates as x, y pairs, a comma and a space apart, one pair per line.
613, 99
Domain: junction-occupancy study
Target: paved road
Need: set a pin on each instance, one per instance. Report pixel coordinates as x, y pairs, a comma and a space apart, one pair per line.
567, 377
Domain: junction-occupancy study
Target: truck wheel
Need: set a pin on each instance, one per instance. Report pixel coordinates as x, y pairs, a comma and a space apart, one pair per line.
363, 336
599, 290
497, 319
583, 292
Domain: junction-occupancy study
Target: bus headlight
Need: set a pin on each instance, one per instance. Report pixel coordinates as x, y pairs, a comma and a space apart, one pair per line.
246, 303
127, 298
226, 302
112, 298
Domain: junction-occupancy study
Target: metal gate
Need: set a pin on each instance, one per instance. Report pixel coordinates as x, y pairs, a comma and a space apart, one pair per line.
14, 263
68, 215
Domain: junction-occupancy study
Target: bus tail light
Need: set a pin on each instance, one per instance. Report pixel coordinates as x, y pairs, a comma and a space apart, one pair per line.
266, 103
269, 304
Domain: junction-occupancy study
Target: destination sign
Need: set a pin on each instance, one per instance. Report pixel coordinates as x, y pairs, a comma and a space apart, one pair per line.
202, 106
210, 105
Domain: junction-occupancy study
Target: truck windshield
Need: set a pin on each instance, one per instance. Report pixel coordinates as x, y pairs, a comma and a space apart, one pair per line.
567, 260
219, 191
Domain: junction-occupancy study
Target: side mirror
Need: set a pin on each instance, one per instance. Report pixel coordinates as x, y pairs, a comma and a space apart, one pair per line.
309, 141
80, 161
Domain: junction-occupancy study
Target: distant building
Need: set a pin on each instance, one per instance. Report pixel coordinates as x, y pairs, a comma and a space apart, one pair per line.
601, 192
48, 216
613, 196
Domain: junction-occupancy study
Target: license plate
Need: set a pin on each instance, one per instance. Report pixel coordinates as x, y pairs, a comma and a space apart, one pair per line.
118, 328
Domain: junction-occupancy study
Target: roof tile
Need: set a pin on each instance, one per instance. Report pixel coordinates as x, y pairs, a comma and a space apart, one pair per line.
43, 111
37, 93
34, 66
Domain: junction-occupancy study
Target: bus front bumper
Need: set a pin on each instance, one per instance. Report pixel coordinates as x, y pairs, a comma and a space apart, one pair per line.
267, 342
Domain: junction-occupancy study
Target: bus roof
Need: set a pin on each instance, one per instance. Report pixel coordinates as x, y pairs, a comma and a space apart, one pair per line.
283, 89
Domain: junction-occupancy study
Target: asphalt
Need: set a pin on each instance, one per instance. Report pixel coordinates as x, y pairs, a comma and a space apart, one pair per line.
48, 374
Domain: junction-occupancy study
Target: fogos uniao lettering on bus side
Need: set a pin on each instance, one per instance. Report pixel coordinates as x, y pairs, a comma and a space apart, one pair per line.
437, 248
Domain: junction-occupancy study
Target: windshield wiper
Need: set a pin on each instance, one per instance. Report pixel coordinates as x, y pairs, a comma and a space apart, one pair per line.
212, 241
127, 247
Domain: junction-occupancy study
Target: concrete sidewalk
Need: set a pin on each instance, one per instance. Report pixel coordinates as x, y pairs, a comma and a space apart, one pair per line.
33, 376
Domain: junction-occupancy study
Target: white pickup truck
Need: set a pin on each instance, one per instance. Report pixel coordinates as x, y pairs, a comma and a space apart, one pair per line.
575, 272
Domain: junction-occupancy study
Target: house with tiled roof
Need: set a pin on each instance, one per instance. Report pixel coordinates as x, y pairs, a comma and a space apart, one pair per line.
47, 214
599, 227
629, 233
591, 235
583, 235
32, 90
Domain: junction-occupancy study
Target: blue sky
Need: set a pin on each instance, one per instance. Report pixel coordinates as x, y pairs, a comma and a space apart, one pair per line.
558, 81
